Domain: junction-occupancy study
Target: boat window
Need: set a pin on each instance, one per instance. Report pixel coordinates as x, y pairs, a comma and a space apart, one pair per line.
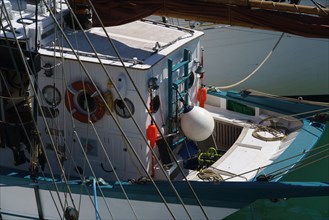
156, 103
121, 109
240, 108
51, 95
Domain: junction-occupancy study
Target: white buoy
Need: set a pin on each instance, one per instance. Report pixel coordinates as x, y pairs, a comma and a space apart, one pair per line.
197, 123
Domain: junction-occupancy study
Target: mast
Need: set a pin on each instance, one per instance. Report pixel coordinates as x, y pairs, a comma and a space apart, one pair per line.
275, 6
295, 19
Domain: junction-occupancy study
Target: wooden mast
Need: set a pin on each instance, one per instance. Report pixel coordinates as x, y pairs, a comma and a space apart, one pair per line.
277, 6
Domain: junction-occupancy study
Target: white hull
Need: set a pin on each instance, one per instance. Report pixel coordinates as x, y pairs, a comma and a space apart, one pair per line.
298, 67
109, 208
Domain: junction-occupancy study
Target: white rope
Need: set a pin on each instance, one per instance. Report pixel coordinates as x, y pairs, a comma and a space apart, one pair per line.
253, 72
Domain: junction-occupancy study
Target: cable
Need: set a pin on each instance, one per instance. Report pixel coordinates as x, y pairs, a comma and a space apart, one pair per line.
255, 71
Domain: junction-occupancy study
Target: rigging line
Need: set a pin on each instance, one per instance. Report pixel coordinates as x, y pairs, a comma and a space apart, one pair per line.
121, 130
60, 63
258, 67
130, 78
145, 105
303, 113
86, 162
158, 128
16, 98
107, 73
70, 151
279, 161
16, 68
294, 168
324, 105
78, 59
302, 163
81, 178
287, 98
142, 165
6, 16
319, 6
52, 144
56, 146
114, 171
15, 108
28, 43
302, 166
306, 152
38, 102
70, 104
128, 150
25, 33
28, 71
150, 114
52, 197
60, 140
74, 127
85, 96
94, 177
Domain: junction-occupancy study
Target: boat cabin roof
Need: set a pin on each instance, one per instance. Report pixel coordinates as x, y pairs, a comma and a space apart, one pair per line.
141, 44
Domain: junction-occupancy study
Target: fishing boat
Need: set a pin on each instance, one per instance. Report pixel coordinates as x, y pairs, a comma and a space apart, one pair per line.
115, 122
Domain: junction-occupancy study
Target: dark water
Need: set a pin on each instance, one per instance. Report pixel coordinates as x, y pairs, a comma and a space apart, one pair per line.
316, 208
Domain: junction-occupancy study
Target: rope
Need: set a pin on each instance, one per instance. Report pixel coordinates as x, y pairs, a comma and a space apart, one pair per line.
210, 175
319, 6
253, 72
255, 92
38, 102
32, 86
300, 165
53, 146
86, 161
278, 132
115, 173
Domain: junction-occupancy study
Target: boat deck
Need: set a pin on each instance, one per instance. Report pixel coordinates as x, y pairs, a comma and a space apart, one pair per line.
248, 155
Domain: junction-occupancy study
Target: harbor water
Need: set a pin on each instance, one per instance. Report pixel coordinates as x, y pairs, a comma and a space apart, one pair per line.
317, 208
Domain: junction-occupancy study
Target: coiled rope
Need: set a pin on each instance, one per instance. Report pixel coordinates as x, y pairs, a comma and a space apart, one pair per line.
278, 132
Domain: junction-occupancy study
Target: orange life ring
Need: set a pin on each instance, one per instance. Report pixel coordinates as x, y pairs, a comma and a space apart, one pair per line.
75, 98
